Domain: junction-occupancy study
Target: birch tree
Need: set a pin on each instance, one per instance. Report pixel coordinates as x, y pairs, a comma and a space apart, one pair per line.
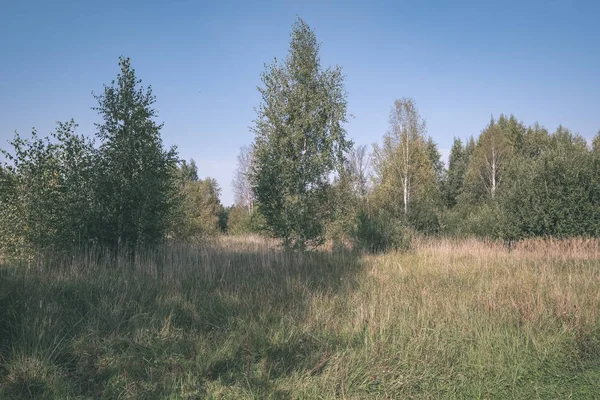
357, 166
300, 141
137, 183
402, 166
490, 158
242, 187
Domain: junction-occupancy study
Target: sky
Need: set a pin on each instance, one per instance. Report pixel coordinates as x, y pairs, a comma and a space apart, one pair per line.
462, 62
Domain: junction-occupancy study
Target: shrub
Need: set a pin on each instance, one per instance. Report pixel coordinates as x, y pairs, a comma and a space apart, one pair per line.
379, 231
475, 220
241, 222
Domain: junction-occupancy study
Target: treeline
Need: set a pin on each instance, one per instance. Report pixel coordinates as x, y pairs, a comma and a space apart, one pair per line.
308, 183
121, 191
301, 180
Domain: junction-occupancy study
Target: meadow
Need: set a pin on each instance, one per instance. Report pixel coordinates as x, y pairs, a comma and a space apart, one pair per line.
243, 318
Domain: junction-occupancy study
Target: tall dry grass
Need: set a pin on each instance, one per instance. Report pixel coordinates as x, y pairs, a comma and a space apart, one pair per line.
241, 318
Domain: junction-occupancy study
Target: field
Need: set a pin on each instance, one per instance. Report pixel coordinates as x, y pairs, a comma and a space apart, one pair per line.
241, 318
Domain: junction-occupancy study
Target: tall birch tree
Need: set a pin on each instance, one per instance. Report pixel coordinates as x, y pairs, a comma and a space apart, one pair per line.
300, 141
403, 168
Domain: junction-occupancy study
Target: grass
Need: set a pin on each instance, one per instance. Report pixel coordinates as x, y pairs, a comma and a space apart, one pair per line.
240, 318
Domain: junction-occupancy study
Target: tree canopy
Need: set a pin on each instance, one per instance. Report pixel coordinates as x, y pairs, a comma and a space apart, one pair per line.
301, 180
300, 140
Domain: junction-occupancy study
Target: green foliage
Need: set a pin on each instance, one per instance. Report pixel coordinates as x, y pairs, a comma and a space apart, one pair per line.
344, 206
555, 194
436, 161
188, 171
596, 143
514, 131
241, 222
378, 231
458, 162
47, 192
300, 141
408, 170
203, 215
546, 185
535, 140
61, 193
137, 184
347, 196
491, 155
475, 220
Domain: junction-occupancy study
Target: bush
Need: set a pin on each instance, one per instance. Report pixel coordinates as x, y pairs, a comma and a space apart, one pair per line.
379, 231
241, 222
475, 220
556, 195
423, 217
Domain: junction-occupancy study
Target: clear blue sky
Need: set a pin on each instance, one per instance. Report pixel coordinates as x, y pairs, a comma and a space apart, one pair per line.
460, 61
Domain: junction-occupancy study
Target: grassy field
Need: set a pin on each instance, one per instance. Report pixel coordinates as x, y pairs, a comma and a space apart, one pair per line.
239, 318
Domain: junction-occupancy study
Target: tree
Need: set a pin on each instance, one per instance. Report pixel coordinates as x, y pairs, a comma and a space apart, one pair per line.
202, 210
596, 143
402, 165
489, 159
239, 222
470, 147
189, 170
242, 187
514, 132
137, 185
406, 185
458, 162
357, 166
300, 141
347, 196
535, 141
556, 193
436, 161
47, 192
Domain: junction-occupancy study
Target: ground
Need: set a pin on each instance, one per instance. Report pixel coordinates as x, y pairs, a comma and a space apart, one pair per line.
241, 318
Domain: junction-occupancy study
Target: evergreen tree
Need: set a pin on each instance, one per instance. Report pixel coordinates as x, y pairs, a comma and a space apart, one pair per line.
300, 141
470, 147
436, 160
513, 130
189, 170
458, 162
